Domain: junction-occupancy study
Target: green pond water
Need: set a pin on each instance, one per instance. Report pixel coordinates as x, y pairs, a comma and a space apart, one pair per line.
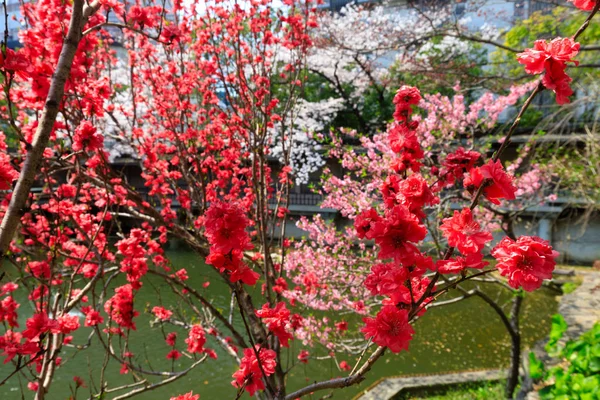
464, 335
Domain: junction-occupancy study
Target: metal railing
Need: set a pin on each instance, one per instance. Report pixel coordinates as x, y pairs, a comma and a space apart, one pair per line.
302, 199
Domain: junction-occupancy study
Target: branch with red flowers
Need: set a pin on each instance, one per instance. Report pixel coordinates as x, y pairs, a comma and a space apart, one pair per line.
238, 337
475, 201
148, 387
416, 306
82, 11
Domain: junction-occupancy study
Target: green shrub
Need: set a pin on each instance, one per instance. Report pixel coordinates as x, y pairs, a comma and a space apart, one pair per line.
577, 375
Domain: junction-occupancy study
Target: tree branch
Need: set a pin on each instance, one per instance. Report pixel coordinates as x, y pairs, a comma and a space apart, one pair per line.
34, 157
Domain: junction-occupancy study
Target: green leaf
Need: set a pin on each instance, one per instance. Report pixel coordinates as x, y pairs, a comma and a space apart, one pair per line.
590, 384
536, 367
594, 365
559, 327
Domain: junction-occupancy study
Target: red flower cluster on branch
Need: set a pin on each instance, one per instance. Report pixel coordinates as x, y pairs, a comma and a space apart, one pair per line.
7, 172
526, 262
457, 163
390, 328
162, 313
277, 320
497, 183
398, 231
249, 375
225, 227
464, 233
120, 307
552, 57
196, 339
87, 138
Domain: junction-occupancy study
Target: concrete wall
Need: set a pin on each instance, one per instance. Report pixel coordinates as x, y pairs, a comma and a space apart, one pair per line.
576, 239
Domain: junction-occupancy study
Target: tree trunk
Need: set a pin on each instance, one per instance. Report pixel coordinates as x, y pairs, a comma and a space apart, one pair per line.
512, 326
10, 222
515, 353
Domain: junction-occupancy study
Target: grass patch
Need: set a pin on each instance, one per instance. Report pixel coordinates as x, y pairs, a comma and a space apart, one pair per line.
468, 391
570, 283
570, 287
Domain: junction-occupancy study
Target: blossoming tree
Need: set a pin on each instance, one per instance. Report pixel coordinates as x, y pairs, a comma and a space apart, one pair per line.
361, 53
447, 126
208, 92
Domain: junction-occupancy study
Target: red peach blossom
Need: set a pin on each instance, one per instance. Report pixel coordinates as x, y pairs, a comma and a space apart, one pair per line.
464, 233
390, 328
526, 262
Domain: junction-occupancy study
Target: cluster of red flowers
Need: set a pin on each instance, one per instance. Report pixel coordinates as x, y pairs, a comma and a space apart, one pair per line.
11, 346
196, 339
279, 322
412, 192
7, 172
552, 57
8, 311
497, 183
92, 317
401, 280
390, 328
120, 307
461, 230
162, 313
526, 262
171, 340
456, 164
15, 62
144, 16
225, 227
249, 375
401, 285
186, 396
396, 235
397, 232
36, 328
586, 5
464, 233
402, 134
87, 138
134, 262
303, 356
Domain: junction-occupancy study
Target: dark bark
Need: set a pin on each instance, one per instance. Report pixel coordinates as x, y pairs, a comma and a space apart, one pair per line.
515, 353
512, 326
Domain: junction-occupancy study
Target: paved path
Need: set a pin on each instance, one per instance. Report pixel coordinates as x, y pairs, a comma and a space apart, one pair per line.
580, 308
389, 387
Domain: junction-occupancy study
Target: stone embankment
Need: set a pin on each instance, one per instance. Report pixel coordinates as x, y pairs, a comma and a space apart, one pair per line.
389, 387
581, 308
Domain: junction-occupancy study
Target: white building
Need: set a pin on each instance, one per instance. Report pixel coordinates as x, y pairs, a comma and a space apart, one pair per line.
13, 10
501, 12
16, 23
